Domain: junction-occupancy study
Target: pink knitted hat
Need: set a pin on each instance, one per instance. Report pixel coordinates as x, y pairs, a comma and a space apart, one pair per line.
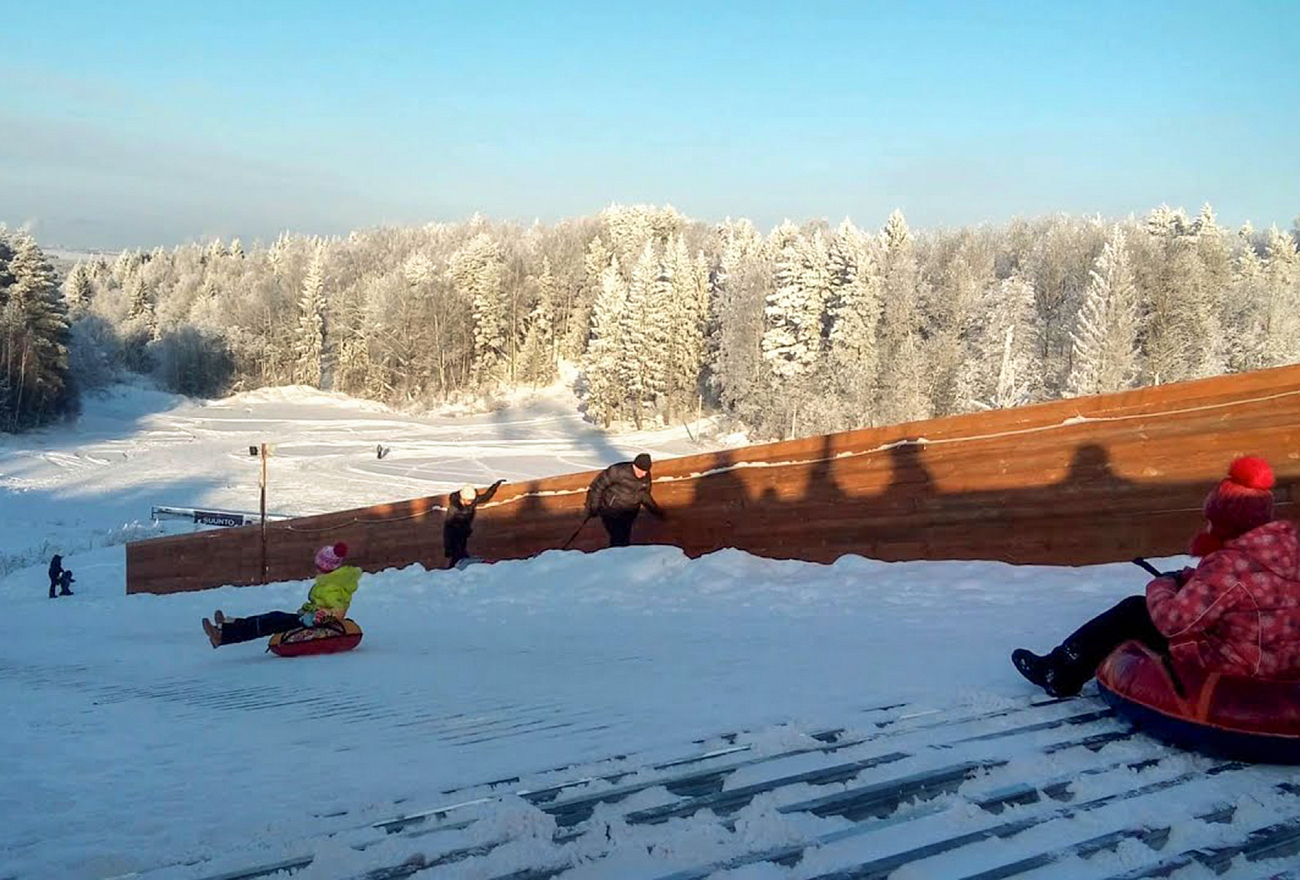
331, 556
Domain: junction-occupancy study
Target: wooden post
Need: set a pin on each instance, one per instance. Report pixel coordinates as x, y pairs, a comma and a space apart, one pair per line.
263, 487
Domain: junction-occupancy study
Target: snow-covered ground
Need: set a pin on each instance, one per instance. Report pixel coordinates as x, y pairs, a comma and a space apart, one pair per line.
131, 745
94, 483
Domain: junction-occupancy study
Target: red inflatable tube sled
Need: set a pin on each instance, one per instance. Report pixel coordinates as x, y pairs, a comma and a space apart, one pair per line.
330, 638
1242, 719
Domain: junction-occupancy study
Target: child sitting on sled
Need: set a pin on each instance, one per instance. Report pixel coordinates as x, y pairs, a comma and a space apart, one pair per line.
328, 600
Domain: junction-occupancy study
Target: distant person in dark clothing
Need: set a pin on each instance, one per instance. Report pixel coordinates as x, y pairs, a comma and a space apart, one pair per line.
56, 571
459, 522
65, 580
617, 495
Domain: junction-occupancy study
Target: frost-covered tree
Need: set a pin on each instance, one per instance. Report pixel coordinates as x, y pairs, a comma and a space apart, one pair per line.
1106, 355
1280, 342
140, 297
575, 333
6, 258
420, 271
351, 332
642, 334
1000, 369
855, 320
1182, 337
904, 375
956, 306
78, 290
1245, 307
309, 341
792, 340
33, 339
539, 353
739, 290
686, 296
862, 329
604, 355
476, 273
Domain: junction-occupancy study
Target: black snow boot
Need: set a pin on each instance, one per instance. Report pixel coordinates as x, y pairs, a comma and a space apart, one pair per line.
1061, 673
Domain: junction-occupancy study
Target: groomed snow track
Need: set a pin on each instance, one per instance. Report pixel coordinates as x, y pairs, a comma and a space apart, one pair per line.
981, 792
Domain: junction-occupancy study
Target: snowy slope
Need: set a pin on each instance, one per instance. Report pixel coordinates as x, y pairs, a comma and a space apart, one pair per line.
131, 745
93, 484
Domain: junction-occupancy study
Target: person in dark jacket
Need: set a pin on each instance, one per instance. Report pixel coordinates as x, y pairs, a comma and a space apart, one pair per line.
56, 571
66, 580
459, 522
617, 496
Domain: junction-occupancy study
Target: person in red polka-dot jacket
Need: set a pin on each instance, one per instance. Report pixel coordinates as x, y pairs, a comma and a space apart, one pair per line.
1237, 612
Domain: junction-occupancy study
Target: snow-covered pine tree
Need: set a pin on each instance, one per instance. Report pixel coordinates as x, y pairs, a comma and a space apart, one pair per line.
1182, 337
574, 334
351, 331
6, 257
1000, 369
140, 327
124, 264
792, 340
604, 353
309, 340
855, 318
689, 305
904, 376
1245, 310
34, 339
640, 331
660, 323
739, 289
538, 357
277, 256
1281, 336
477, 271
420, 272
957, 308
1105, 357
78, 290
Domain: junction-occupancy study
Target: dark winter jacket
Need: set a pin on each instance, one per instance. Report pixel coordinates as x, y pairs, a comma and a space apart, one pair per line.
56, 569
1238, 612
617, 489
461, 515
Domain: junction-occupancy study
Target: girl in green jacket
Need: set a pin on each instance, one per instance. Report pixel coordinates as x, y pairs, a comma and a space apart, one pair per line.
329, 599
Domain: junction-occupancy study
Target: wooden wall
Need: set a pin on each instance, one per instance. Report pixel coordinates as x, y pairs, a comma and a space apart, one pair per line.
1068, 482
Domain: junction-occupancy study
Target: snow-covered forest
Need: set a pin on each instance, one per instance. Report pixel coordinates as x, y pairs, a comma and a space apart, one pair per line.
800, 331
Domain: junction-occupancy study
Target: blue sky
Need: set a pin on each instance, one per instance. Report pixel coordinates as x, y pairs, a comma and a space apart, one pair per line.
134, 124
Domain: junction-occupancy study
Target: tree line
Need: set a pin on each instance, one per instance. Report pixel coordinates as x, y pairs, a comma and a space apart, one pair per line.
806, 329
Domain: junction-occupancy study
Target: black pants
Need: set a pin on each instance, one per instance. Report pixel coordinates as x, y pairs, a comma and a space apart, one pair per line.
455, 541
1092, 643
618, 524
245, 629
54, 585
